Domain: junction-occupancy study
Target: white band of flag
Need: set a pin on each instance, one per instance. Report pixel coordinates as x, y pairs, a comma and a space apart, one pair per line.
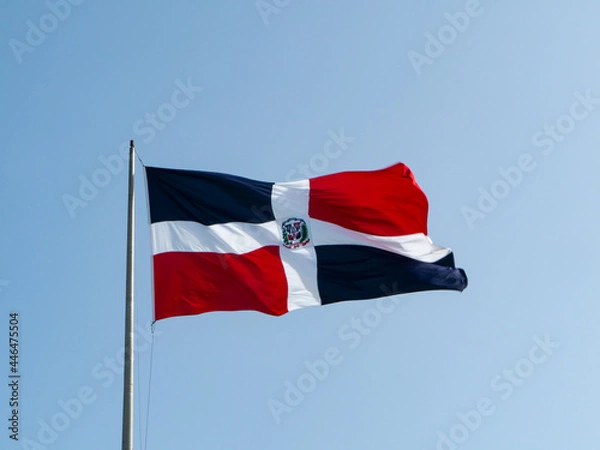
239, 238
300, 265
234, 237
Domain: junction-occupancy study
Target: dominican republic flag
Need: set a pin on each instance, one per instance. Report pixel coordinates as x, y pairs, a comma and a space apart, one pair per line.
226, 243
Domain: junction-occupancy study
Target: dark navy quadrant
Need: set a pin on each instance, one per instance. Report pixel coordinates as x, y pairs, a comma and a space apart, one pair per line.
356, 272
207, 197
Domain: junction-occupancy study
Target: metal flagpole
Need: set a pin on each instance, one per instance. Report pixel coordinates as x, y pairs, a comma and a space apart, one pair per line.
128, 375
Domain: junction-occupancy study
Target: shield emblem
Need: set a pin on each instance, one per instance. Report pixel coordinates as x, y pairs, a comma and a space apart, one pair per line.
295, 233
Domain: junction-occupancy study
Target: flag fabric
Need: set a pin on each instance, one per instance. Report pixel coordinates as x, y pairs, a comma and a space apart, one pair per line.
226, 243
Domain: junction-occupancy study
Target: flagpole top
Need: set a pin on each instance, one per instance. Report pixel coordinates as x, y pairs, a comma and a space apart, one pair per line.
131, 144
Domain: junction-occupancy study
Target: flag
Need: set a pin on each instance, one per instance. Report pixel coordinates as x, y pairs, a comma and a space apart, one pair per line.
226, 243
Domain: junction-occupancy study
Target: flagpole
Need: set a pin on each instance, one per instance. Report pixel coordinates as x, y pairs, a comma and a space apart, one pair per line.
128, 374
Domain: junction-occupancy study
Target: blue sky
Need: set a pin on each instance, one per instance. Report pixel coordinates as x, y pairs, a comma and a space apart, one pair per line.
498, 88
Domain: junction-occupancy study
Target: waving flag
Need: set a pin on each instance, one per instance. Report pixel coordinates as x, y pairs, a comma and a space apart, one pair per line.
225, 243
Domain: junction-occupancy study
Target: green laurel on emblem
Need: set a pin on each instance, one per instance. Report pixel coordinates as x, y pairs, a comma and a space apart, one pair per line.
295, 233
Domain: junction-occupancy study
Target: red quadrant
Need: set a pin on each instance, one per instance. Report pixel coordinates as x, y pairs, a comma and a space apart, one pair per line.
386, 202
187, 283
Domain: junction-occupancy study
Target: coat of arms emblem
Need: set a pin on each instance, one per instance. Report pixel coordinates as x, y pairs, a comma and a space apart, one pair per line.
295, 233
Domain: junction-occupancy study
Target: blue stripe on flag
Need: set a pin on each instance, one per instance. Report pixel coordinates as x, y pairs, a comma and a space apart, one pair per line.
355, 272
207, 197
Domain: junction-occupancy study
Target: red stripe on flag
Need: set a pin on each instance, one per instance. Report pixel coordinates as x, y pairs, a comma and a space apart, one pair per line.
187, 283
386, 202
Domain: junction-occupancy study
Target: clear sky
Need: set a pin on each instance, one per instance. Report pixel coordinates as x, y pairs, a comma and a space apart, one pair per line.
495, 106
